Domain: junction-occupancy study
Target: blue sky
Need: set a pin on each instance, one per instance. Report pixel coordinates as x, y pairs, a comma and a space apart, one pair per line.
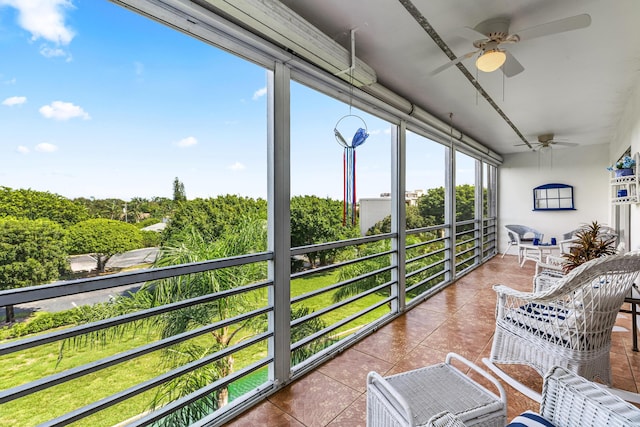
96, 101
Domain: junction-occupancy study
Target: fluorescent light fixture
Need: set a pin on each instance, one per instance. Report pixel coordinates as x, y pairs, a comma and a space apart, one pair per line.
276, 22
491, 60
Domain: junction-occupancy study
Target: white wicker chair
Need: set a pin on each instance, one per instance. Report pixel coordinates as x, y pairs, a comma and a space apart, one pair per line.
519, 234
569, 324
569, 400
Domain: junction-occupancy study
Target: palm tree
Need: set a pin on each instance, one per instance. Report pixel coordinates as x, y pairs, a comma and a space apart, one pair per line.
249, 236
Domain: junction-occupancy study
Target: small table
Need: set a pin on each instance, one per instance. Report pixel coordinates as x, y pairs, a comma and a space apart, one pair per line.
535, 252
413, 398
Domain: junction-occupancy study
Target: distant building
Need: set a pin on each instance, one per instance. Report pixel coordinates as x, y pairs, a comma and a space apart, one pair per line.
411, 197
373, 210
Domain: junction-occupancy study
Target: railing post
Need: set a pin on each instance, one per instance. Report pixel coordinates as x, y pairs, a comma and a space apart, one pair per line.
398, 216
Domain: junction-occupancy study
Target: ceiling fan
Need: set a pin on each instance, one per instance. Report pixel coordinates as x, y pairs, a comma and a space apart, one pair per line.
546, 141
490, 36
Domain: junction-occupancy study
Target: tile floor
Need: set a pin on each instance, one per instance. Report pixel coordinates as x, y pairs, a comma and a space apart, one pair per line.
459, 319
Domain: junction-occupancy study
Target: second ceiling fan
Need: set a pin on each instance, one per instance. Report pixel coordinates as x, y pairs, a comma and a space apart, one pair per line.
490, 36
546, 141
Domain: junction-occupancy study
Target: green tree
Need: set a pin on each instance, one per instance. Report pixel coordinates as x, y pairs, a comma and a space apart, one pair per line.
30, 254
103, 238
317, 220
179, 195
213, 217
249, 235
413, 220
31, 204
431, 205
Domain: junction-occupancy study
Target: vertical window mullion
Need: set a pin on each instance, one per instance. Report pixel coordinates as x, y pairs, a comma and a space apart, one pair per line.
279, 195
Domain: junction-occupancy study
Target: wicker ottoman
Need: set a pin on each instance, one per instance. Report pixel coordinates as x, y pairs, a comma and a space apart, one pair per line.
417, 397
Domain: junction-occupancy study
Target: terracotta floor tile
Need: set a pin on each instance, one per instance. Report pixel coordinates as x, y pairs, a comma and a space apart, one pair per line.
351, 368
387, 347
460, 318
315, 399
354, 416
266, 414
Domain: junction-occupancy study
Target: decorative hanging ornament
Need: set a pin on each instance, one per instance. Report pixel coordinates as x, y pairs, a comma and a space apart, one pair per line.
349, 165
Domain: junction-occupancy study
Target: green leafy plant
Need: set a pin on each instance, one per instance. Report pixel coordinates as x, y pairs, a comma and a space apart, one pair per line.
590, 243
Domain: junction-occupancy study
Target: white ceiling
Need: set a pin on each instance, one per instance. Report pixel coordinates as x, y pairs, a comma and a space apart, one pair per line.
575, 84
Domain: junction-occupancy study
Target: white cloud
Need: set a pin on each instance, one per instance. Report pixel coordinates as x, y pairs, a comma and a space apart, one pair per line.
10, 81
22, 149
187, 142
49, 52
237, 166
59, 110
45, 147
14, 100
259, 93
44, 19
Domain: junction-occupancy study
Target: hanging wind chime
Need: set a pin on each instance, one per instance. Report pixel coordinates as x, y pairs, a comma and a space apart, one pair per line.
349, 168
349, 155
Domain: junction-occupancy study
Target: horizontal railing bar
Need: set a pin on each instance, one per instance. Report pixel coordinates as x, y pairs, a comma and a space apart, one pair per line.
339, 324
198, 394
466, 222
338, 265
421, 269
88, 368
339, 304
125, 318
303, 250
139, 388
340, 284
429, 228
426, 279
428, 242
427, 255
464, 261
59, 289
473, 248
465, 232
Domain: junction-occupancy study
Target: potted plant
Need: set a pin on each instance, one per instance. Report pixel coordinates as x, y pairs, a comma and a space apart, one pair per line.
590, 243
623, 167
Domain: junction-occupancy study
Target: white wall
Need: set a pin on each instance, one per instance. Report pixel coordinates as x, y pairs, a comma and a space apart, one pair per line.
627, 135
582, 167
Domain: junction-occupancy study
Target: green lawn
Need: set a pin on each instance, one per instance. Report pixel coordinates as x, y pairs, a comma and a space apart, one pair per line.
32, 364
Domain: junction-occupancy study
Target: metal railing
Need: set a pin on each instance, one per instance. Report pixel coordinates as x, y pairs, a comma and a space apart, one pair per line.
363, 273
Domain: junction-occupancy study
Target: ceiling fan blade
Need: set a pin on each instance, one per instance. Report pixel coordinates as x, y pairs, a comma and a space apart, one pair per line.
511, 65
566, 144
555, 27
470, 34
453, 62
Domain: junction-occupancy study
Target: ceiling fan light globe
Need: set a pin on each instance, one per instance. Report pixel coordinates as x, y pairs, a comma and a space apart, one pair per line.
491, 60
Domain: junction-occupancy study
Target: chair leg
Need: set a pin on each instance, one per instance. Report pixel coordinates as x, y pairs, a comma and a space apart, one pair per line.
506, 250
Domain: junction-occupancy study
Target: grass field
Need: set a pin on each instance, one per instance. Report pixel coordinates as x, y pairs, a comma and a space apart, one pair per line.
33, 364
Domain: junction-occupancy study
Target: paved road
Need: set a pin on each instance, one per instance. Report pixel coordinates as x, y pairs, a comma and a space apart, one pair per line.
87, 263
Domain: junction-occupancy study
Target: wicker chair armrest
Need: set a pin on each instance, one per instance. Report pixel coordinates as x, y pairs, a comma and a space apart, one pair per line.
501, 393
395, 399
503, 290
